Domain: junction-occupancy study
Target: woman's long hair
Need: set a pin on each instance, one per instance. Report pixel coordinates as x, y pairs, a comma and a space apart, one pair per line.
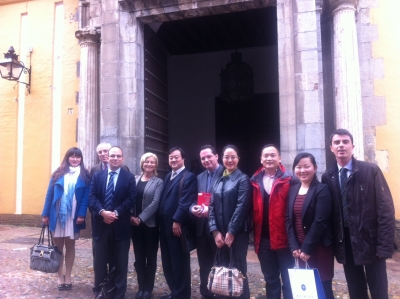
64, 167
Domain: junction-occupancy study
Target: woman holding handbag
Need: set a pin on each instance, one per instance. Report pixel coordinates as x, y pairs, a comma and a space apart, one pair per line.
229, 219
145, 231
65, 209
308, 221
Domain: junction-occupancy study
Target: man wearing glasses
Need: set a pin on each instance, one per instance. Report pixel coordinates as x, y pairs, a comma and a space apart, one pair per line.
112, 196
206, 247
102, 152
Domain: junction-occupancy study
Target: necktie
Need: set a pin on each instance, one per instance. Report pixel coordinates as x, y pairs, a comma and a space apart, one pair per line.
343, 187
209, 179
173, 175
104, 166
109, 192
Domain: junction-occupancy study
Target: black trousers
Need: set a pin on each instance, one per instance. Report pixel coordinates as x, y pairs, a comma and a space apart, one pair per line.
117, 251
176, 266
206, 250
274, 266
361, 277
145, 246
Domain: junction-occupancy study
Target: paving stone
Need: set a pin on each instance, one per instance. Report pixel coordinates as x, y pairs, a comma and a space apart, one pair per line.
17, 281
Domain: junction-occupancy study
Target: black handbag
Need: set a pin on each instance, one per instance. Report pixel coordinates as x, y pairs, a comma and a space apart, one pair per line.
45, 257
107, 286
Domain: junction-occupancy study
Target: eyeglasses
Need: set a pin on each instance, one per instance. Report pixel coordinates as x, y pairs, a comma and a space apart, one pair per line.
230, 157
116, 156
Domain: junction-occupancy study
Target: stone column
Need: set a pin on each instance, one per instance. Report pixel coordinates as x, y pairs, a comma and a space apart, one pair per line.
347, 72
88, 120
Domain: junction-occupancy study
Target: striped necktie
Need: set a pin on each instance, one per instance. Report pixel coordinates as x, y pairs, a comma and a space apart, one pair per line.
109, 192
174, 174
343, 188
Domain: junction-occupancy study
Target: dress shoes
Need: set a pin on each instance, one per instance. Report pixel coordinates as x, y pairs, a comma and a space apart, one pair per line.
67, 286
166, 297
139, 295
147, 295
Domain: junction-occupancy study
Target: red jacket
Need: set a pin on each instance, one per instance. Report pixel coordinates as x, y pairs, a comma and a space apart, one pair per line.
277, 208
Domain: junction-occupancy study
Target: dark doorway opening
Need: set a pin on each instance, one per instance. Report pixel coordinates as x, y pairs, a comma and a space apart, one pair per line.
249, 125
196, 115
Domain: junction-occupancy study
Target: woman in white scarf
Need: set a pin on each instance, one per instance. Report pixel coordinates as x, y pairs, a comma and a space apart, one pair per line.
65, 209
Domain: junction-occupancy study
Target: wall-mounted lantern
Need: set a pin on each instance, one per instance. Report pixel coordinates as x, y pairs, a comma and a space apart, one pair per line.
11, 69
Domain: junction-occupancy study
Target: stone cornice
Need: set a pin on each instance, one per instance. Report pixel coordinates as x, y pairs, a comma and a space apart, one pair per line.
88, 36
343, 4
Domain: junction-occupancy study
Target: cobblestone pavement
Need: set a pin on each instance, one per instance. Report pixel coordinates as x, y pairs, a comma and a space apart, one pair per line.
18, 281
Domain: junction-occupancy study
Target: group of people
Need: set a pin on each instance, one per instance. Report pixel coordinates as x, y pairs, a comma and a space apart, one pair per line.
349, 214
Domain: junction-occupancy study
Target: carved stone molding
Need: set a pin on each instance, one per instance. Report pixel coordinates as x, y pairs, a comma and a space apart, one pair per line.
337, 5
88, 37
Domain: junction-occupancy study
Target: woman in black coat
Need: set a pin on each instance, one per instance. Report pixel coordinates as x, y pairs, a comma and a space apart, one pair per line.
229, 213
308, 221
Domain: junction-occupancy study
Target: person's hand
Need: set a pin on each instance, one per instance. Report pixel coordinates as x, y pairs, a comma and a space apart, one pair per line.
219, 239
176, 229
229, 238
197, 211
205, 211
296, 253
45, 220
80, 220
109, 217
135, 221
305, 257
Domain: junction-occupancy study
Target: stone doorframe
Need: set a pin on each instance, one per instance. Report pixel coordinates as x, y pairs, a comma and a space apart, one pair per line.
121, 109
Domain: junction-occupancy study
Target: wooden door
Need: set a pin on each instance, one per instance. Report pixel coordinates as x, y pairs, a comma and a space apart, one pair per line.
156, 99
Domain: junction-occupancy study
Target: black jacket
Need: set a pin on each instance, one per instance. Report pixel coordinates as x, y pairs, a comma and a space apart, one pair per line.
315, 217
230, 204
370, 213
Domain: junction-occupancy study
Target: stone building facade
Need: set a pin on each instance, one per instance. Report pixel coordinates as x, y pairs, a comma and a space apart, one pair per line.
319, 61
332, 63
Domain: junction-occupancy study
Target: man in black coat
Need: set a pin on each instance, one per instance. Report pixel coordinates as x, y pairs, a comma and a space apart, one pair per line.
206, 247
173, 216
112, 196
363, 219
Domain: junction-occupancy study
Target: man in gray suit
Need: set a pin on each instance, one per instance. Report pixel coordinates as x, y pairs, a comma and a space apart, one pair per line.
206, 247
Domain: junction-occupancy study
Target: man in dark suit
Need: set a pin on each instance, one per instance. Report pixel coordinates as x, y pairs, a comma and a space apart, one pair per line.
112, 196
363, 219
206, 247
102, 151
173, 215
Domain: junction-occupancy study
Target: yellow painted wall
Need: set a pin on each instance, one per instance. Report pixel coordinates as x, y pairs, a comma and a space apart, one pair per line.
388, 47
38, 104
